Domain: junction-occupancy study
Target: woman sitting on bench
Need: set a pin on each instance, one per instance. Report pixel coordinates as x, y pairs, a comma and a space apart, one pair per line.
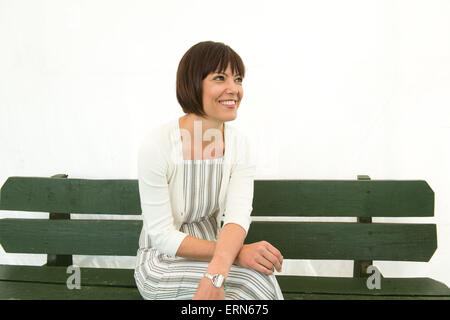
196, 195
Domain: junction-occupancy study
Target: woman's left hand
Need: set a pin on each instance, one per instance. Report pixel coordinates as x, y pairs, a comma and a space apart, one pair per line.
260, 256
206, 291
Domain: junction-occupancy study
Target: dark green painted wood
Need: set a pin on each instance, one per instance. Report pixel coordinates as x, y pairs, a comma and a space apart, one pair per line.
308, 296
31, 282
83, 237
88, 276
358, 286
38, 291
71, 195
296, 240
10, 290
306, 240
332, 198
360, 266
348, 241
288, 284
62, 259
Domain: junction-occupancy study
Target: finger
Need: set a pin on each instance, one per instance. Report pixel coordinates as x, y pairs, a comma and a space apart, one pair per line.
263, 266
267, 264
263, 269
272, 259
275, 252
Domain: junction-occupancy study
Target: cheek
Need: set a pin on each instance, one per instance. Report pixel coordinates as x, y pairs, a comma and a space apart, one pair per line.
213, 95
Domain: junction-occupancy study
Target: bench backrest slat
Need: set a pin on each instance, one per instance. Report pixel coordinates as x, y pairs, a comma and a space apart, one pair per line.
83, 237
61, 195
342, 198
297, 240
312, 198
348, 241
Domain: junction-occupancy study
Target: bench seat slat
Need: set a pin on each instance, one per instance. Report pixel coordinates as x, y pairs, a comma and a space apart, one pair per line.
309, 296
288, 284
22, 284
358, 286
12, 290
50, 274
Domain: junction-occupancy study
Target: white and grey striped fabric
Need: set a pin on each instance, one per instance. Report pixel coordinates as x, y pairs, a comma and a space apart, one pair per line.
159, 276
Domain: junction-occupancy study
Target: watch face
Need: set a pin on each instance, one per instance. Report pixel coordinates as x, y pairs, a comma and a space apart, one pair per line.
218, 281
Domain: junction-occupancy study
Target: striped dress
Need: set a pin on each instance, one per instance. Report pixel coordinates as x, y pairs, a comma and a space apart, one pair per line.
159, 276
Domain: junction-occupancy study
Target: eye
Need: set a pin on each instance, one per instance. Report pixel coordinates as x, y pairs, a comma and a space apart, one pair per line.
221, 78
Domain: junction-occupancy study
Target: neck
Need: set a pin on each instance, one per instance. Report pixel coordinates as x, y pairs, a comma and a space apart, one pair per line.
201, 143
188, 121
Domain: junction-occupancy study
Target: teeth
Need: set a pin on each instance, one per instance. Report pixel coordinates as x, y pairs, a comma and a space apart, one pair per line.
228, 102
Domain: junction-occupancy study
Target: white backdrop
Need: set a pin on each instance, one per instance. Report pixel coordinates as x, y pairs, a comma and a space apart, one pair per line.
333, 89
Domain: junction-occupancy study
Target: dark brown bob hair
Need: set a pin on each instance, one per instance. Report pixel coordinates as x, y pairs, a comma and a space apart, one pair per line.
198, 62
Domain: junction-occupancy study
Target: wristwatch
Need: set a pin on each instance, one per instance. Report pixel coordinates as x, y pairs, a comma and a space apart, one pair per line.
217, 279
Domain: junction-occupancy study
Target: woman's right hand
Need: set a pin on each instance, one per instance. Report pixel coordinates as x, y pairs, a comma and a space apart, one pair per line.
260, 256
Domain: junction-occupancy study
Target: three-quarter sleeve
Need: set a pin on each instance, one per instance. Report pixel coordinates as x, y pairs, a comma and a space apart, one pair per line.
239, 198
155, 201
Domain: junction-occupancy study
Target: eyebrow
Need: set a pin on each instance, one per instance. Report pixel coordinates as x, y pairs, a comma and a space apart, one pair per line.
236, 74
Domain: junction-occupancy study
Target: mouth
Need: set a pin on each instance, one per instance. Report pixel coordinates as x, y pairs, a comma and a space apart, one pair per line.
228, 104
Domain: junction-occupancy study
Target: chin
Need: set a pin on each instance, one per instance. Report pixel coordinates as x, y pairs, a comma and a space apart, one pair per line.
230, 117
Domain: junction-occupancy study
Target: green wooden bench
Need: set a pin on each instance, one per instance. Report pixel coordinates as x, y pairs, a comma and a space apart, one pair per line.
361, 241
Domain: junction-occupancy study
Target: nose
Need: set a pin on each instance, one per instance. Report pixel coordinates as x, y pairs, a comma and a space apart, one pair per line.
232, 87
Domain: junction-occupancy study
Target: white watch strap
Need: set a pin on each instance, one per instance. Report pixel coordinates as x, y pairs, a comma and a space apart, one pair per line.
209, 276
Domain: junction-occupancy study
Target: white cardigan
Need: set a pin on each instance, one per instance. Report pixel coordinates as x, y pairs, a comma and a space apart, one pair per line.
161, 174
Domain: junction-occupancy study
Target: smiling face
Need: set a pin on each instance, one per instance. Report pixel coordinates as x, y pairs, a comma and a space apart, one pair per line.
222, 95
